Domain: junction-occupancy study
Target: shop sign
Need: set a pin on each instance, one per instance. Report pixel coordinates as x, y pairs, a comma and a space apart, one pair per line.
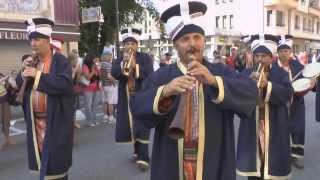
12, 35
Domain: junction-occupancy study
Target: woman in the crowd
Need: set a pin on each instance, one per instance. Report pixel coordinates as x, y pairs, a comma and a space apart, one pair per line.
90, 71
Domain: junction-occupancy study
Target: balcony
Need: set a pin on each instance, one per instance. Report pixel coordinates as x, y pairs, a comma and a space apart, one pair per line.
284, 3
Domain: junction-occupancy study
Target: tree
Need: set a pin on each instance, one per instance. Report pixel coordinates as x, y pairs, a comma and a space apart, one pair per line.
129, 12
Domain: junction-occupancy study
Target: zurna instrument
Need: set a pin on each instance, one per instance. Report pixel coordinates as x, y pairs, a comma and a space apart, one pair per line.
262, 73
188, 109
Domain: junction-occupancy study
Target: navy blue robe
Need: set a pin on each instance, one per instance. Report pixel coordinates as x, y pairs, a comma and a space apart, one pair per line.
317, 89
277, 144
127, 130
216, 150
318, 100
56, 157
297, 115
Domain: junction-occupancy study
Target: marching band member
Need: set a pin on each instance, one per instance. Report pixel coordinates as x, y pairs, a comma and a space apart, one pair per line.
207, 150
264, 145
48, 105
130, 70
297, 113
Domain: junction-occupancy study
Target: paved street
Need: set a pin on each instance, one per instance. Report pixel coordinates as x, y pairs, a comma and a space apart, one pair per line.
97, 157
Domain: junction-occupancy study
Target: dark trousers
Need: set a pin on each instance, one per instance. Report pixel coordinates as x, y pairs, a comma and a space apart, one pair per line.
5, 115
142, 151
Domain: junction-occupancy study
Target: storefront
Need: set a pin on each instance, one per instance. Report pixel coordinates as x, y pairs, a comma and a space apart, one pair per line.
13, 37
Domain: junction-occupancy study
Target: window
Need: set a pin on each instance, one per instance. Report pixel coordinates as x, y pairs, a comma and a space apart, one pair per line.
309, 25
230, 0
313, 21
318, 27
280, 19
217, 21
224, 21
295, 48
304, 24
224, 1
231, 22
297, 22
217, 1
269, 14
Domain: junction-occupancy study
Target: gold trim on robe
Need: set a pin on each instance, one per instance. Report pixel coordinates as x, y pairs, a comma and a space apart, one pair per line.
50, 177
157, 100
220, 97
202, 135
37, 80
34, 135
137, 71
142, 141
182, 68
268, 94
130, 115
180, 158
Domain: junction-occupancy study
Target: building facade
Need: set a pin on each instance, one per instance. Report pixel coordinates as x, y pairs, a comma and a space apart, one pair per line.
151, 41
300, 18
13, 37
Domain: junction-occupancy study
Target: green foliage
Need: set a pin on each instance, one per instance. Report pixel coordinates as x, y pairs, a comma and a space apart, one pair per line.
129, 13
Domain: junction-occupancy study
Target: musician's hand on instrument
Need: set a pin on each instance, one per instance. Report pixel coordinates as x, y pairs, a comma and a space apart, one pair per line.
29, 72
313, 83
201, 73
254, 76
264, 83
178, 86
26, 63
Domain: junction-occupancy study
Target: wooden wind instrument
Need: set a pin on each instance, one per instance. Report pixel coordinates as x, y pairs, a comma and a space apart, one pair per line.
187, 110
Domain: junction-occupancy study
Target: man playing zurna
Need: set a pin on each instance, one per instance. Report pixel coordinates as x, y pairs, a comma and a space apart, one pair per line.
206, 151
48, 104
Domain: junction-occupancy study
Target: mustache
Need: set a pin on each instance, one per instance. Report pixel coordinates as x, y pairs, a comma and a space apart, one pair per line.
192, 50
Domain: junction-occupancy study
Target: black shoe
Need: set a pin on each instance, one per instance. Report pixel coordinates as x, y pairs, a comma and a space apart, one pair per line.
143, 165
297, 163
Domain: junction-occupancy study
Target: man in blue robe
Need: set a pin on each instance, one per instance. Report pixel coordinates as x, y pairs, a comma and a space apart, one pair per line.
297, 108
130, 70
264, 143
207, 150
48, 105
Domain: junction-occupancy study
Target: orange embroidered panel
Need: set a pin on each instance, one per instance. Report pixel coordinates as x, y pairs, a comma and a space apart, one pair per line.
39, 103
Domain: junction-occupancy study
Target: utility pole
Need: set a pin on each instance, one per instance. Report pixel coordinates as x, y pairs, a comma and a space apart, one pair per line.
118, 28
